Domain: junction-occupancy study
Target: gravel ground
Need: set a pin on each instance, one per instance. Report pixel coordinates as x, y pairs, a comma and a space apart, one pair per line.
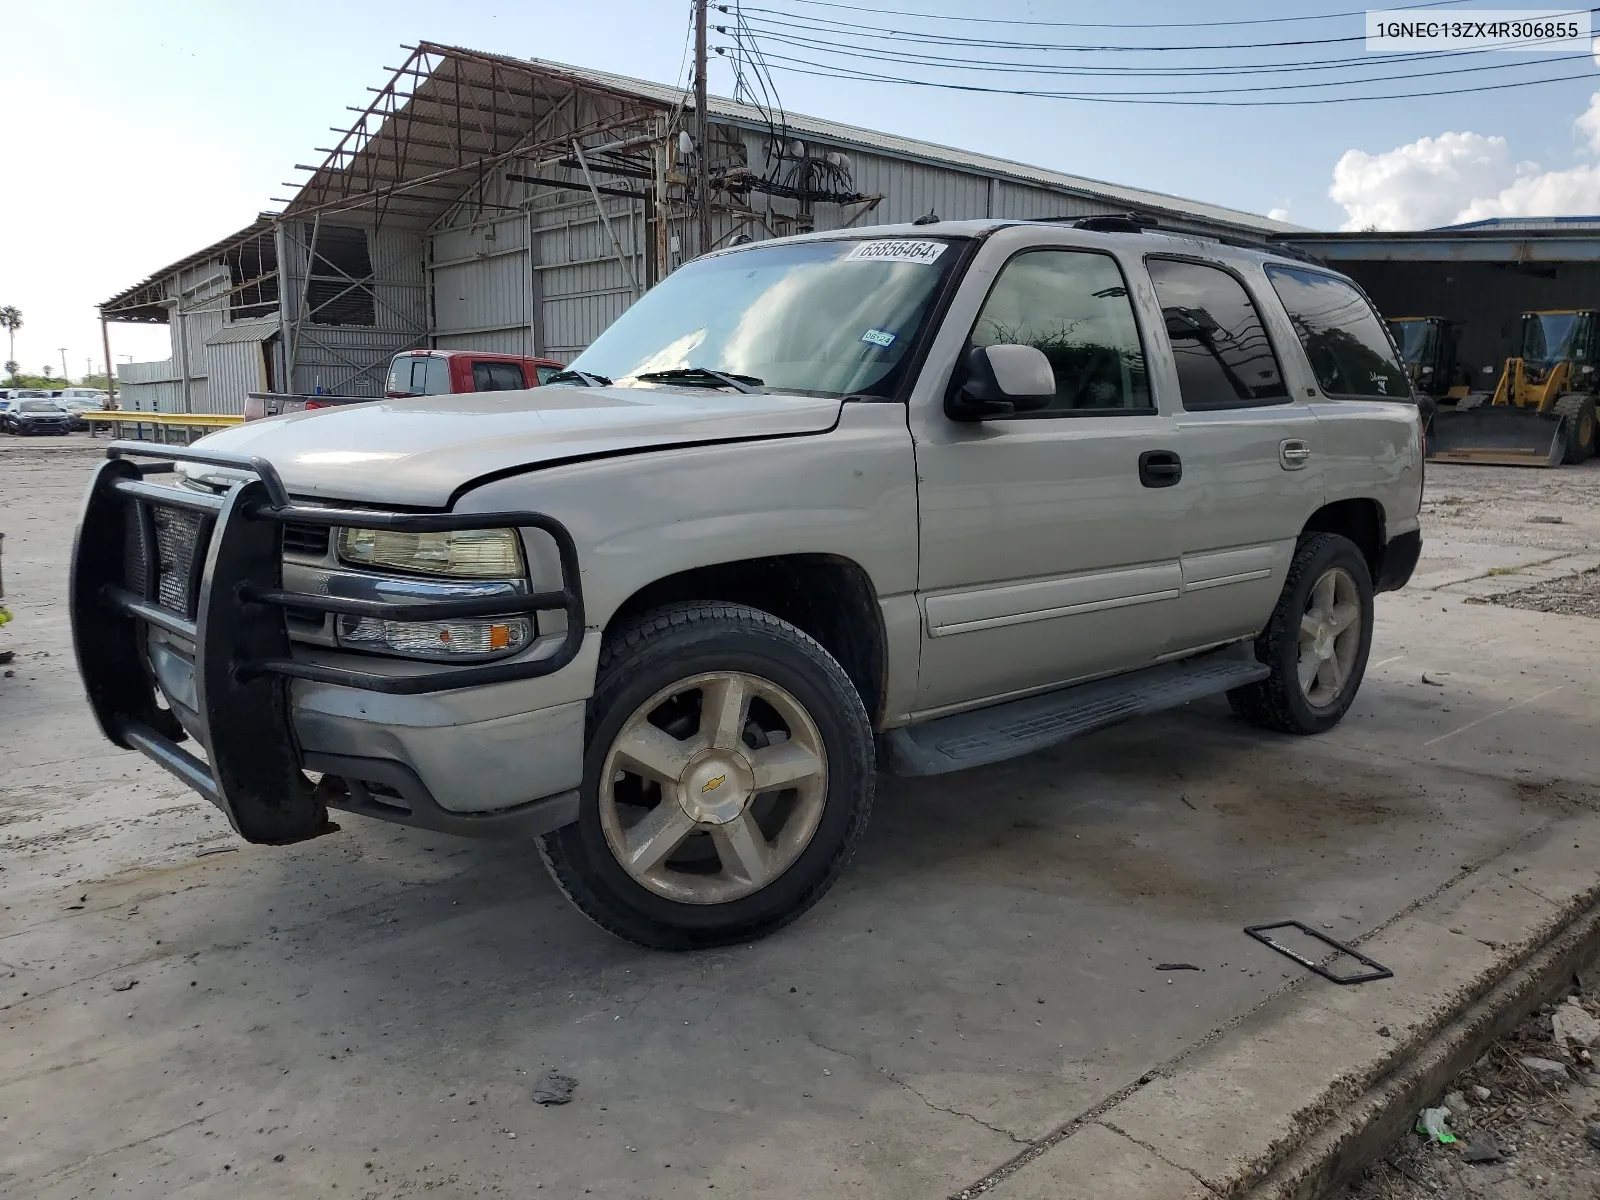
1534, 1135
1573, 596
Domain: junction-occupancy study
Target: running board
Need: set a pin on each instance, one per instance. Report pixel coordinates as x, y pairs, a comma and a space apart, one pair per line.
991, 735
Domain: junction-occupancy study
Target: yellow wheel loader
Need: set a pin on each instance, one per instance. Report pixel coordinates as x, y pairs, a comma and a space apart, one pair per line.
1542, 410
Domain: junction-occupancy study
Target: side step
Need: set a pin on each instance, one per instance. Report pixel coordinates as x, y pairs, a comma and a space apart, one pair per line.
990, 735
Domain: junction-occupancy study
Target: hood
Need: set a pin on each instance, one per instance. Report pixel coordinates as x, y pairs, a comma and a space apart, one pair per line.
420, 451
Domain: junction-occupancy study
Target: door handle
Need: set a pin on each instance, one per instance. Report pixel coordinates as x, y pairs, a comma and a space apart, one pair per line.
1293, 453
1159, 468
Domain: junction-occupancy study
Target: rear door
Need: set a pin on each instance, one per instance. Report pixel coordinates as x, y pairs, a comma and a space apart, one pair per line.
1250, 452
490, 375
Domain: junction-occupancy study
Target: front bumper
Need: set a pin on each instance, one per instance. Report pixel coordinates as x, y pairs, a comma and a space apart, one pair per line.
206, 614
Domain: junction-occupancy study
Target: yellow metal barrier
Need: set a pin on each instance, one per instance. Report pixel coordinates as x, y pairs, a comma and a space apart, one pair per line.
167, 428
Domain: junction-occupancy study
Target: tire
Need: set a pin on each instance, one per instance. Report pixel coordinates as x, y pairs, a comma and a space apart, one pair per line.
1577, 414
671, 665
1280, 702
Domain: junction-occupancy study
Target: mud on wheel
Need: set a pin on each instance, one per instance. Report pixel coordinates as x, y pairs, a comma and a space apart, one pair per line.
728, 777
1316, 642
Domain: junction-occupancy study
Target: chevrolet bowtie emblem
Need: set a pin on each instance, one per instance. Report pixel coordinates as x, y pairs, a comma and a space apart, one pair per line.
712, 785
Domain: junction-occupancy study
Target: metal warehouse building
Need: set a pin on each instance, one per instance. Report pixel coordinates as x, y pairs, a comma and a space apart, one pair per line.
1483, 275
495, 203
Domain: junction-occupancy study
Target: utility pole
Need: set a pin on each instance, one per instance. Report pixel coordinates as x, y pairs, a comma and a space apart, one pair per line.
65, 378
702, 137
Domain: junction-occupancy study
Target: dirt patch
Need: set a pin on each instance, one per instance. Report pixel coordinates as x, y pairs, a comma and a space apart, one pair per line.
1532, 1135
1572, 595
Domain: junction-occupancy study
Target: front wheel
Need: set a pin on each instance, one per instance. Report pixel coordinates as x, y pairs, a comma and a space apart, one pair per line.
1316, 643
1577, 414
728, 776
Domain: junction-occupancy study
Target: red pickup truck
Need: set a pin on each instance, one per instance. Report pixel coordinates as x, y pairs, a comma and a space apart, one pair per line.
423, 373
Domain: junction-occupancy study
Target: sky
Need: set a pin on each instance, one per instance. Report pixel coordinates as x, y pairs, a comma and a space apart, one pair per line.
140, 132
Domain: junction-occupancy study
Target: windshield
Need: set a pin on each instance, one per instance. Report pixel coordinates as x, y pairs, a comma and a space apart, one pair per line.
1549, 337
1413, 337
39, 406
25, 395
829, 318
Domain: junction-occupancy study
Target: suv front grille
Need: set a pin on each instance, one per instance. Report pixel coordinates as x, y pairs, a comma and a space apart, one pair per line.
179, 534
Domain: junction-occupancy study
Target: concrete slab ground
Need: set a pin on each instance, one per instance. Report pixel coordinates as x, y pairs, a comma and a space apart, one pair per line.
370, 1010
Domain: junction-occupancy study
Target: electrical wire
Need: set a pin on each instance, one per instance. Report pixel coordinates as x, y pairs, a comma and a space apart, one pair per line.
805, 67
992, 67
813, 30
895, 12
799, 21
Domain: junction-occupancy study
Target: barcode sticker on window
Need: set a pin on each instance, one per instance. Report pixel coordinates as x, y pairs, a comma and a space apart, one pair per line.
898, 250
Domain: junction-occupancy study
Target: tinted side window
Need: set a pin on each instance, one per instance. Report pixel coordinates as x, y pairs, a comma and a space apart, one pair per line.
1349, 352
496, 377
544, 373
1221, 348
1073, 305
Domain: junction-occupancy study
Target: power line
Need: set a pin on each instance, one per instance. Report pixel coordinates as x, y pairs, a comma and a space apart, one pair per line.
992, 67
895, 12
824, 71
1188, 70
799, 21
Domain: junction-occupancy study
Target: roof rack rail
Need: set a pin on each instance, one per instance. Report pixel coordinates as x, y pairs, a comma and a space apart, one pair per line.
1117, 223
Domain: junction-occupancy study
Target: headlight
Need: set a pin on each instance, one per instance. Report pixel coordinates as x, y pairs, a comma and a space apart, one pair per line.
464, 553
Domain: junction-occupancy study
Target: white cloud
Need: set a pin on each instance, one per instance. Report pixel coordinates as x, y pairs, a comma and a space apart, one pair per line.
1459, 177
1277, 214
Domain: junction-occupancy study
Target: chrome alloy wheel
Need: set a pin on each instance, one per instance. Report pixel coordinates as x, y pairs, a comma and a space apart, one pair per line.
713, 787
1330, 637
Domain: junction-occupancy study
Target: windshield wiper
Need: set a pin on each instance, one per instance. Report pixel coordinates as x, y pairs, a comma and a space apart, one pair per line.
748, 384
587, 378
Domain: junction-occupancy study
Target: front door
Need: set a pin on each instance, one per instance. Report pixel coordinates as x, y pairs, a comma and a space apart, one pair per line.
1049, 539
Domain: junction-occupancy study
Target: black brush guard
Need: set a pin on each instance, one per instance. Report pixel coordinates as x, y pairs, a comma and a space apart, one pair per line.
242, 656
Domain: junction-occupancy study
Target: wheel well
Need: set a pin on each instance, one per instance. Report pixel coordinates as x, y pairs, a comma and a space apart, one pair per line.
829, 598
1359, 520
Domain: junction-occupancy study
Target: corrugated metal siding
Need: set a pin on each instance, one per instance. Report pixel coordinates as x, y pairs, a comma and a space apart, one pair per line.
235, 369
481, 284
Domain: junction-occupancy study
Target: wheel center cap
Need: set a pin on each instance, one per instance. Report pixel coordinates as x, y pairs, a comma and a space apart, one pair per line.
716, 787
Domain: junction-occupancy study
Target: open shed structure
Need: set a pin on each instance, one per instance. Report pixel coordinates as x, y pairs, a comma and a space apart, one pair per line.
1482, 275
493, 203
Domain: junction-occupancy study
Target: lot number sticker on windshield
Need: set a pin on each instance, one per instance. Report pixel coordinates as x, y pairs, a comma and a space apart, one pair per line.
898, 250
879, 337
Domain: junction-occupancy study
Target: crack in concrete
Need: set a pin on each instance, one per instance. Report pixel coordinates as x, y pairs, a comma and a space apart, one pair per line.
895, 1079
1160, 1157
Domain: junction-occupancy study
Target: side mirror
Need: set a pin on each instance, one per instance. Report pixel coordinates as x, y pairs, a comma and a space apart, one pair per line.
1001, 380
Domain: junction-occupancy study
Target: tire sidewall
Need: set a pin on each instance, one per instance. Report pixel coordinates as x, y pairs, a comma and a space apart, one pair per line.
1333, 551
687, 651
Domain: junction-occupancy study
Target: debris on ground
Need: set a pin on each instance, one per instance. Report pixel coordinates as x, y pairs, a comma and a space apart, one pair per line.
554, 1088
1526, 1117
125, 986
1434, 1124
1178, 967
1572, 595
205, 850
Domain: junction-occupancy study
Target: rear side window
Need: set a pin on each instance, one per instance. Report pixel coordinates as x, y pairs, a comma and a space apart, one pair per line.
1218, 341
544, 373
497, 377
1073, 305
419, 375
1344, 340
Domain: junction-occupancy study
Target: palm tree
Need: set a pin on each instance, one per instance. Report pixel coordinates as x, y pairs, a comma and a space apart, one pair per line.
11, 321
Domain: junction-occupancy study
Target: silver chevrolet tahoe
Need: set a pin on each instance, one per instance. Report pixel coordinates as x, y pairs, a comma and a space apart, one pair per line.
913, 500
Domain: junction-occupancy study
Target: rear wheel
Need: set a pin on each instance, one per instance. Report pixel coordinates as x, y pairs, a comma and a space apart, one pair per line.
1316, 643
1577, 413
728, 777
